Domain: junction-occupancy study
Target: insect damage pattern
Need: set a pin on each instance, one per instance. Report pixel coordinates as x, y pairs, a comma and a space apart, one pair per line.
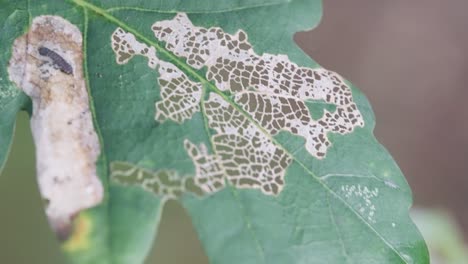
243, 154
166, 183
270, 88
250, 159
180, 96
57, 60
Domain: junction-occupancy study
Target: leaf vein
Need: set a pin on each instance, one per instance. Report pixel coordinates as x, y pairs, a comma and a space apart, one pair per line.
226, 10
337, 229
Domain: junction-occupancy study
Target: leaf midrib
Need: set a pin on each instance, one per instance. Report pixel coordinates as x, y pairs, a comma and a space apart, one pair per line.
234, 9
206, 84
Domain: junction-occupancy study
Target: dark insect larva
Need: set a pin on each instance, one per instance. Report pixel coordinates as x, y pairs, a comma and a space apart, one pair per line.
58, 61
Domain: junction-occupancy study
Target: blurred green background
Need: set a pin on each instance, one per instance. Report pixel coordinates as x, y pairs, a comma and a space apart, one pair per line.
409, 57
25, 236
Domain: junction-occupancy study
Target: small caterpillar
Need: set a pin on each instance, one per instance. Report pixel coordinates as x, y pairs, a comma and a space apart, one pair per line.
60, 62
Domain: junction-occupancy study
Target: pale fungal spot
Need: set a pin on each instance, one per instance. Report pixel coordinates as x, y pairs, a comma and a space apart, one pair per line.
7, 92
393, 225
387, 182
47, 65
363, 197
270, 88
391, 184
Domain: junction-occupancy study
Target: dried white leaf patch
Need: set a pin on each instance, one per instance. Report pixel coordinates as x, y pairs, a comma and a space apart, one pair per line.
47, 65
278, 84
180, 96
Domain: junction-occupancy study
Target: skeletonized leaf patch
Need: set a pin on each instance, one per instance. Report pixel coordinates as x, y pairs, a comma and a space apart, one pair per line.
252, 99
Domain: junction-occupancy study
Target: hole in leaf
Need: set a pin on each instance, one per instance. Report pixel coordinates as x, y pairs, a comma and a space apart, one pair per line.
176, 241
23, 225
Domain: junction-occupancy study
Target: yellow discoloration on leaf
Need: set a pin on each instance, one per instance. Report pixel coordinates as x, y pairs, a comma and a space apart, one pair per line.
79, 239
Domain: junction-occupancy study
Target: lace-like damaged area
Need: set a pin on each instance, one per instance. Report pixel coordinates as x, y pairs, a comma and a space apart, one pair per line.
245, 155
268, 84
180, 97
209, 174
274, 91
166, 183
275, 113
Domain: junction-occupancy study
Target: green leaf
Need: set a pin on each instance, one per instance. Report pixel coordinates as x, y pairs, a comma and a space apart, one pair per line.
322, 193
13, 21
